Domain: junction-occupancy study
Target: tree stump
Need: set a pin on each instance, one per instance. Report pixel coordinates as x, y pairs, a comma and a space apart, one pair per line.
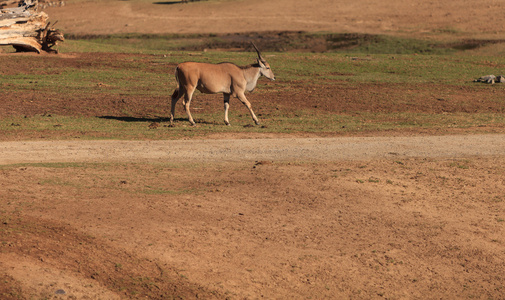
26, 29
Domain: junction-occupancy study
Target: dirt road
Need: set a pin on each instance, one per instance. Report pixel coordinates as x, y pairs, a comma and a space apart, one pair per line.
305, 149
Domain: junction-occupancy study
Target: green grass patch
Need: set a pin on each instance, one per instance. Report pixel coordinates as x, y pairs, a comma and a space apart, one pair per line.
272, 41
56, 165
64, 127
150, 190
109, 96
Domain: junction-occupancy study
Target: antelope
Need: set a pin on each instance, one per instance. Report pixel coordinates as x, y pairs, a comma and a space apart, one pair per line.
226, 78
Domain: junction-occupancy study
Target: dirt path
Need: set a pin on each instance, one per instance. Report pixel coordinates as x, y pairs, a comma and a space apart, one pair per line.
305, 149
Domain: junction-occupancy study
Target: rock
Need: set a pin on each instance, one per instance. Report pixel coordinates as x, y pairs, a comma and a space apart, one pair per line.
486, 79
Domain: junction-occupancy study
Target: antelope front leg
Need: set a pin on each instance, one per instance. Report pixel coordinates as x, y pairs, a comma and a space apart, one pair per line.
226, 107
244, 100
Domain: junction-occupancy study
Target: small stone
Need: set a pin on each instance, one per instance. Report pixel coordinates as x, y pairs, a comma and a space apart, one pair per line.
60, 292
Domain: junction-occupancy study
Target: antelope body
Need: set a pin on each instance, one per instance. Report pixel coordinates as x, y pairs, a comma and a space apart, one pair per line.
226, 78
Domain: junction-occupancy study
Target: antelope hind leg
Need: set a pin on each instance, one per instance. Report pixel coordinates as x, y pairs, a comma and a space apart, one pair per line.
175, 97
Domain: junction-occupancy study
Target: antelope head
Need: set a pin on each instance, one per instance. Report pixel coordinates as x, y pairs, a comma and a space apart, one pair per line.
265, 69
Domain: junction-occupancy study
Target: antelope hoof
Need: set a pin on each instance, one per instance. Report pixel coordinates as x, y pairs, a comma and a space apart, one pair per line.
227, 123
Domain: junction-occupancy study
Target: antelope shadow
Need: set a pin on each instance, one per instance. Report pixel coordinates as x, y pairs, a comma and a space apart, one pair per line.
135, 119
152, 120
174, 2
167, 2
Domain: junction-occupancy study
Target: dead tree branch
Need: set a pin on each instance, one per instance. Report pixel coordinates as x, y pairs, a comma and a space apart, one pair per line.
26, 29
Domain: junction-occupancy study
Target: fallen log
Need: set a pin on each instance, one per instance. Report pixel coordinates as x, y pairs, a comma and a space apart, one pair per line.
26, 29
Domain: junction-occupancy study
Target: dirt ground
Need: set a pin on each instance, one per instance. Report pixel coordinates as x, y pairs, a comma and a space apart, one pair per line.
238, 217
416, 217
421, 18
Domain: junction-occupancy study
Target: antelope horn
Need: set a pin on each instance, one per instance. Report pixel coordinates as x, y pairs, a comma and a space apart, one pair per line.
258, 51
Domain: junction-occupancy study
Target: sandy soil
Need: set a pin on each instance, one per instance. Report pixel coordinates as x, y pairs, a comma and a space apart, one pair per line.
418, 217
419, 18
292, 218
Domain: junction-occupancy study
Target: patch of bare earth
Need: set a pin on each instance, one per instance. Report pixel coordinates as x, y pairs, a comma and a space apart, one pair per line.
393, 228
377, 17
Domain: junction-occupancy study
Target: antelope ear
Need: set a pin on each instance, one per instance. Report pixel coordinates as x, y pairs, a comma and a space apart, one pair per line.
262, 65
